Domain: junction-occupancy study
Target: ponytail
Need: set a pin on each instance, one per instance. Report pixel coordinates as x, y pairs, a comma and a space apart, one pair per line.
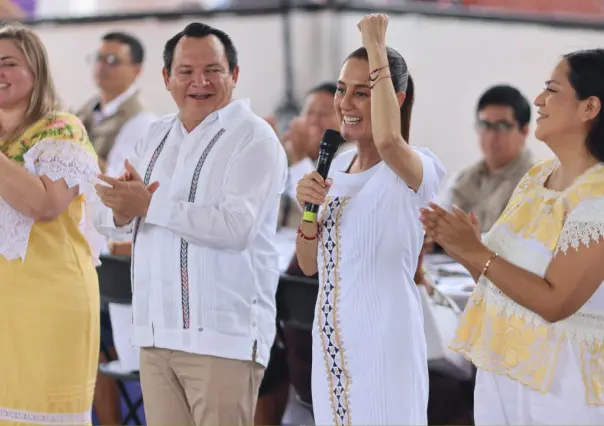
406, 109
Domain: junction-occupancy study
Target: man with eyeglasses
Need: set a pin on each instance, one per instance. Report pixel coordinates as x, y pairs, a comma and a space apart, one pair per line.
503, 115
115, 117
115, 120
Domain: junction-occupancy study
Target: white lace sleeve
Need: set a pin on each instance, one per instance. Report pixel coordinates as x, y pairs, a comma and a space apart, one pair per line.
584, 225
14, 228
63, 159
56, 159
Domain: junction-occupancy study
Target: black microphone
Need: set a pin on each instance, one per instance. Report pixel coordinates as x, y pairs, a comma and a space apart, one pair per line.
329, 145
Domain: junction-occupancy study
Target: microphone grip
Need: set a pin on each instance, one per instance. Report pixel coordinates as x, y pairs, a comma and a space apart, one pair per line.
311, 210
310, 213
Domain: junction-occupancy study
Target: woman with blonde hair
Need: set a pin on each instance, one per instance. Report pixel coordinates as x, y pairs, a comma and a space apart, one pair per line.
49, 304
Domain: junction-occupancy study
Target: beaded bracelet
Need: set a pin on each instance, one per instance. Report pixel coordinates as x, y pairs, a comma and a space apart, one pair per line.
378, 80
305, 237
486, 265
374, 71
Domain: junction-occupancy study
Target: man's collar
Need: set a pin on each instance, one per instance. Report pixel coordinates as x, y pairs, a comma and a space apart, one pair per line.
113, 106
222, 114
232, 107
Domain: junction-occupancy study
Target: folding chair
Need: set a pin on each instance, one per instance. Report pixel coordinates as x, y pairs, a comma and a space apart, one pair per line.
115, 287
296, 298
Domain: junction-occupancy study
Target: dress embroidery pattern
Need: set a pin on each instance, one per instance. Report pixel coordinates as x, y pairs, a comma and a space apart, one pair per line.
184, 244
57, 125
328, 318
22, 416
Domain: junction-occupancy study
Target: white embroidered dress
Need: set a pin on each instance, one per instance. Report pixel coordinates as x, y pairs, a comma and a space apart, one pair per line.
369, 349
530, 371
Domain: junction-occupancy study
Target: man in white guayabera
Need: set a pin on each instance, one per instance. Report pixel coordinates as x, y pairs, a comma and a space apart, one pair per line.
201, 198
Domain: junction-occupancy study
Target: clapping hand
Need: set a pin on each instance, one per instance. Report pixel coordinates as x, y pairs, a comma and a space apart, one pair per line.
456, 232
127, 196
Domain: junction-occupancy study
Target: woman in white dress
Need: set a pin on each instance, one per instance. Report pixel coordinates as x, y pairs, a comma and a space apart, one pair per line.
534, 326
369, 348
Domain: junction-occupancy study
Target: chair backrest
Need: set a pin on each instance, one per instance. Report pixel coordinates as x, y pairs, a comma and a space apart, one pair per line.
296, 298
114, 279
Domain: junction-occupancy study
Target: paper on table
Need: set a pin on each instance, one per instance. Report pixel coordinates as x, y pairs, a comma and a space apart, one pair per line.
285, 243
121, 325
453, 269
437, 258
456, 283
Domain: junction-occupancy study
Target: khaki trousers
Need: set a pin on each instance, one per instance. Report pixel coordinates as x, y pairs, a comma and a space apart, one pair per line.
184, 389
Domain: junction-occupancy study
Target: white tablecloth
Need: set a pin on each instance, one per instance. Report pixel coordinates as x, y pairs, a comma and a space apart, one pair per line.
286, 246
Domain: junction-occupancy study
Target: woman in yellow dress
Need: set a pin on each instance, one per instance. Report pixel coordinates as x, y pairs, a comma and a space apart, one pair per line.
49, 297
534, 326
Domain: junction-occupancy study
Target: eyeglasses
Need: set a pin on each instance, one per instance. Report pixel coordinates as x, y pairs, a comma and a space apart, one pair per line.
501, 126
111, 60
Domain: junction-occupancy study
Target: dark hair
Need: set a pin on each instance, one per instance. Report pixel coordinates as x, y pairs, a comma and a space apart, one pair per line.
137, 52
586, 76
401, 80
504, 95
326, 87
199, 30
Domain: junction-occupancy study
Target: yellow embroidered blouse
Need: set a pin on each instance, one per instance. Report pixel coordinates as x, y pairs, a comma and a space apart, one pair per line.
499, 335
56, 146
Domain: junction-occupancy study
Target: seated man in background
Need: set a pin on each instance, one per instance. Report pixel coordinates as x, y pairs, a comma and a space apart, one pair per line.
302, 141
503, 116
115, 116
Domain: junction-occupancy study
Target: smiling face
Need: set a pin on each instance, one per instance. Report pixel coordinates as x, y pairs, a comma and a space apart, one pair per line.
353, 101
200, 81
562, 117
16, 76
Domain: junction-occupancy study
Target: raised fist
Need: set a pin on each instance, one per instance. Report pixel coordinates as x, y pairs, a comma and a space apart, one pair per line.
373, 29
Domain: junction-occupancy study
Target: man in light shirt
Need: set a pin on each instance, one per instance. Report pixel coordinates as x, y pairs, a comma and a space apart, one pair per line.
115, 117
302, 141
502, 123
201, 198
